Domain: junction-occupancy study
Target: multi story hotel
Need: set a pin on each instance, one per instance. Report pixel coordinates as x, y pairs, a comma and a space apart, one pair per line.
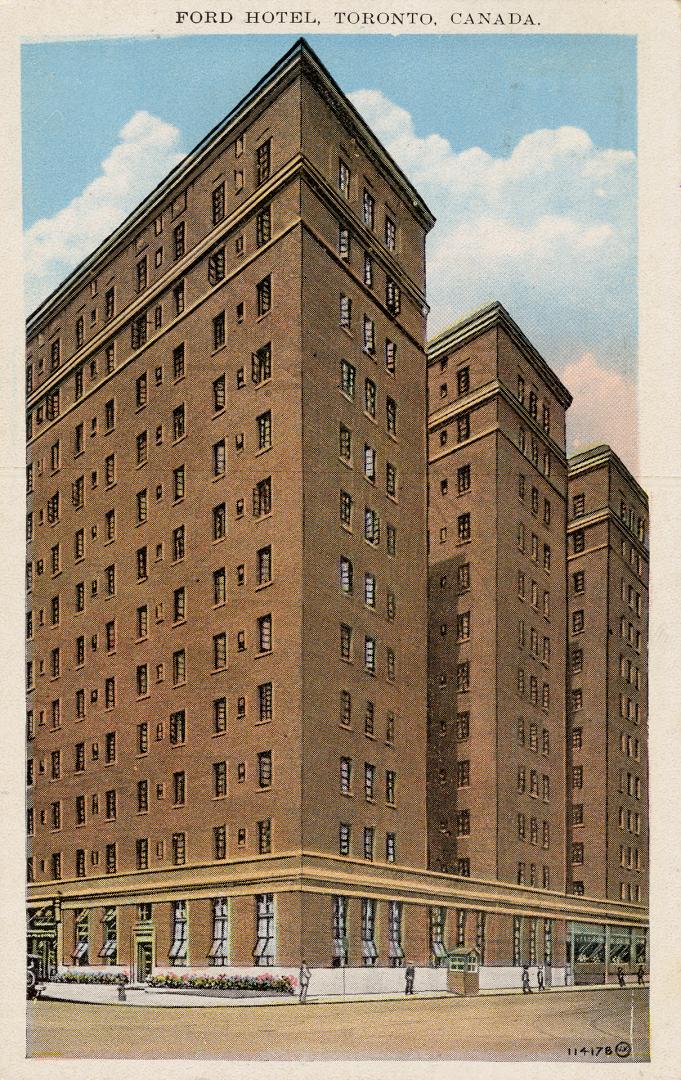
498, 479
229, 759
607, 714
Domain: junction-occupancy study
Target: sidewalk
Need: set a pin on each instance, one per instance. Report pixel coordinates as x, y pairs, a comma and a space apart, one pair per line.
108, 995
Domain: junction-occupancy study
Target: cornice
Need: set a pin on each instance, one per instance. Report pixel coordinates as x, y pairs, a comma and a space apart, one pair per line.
486, 318
316, 872
606, 513
602, 456
300, 59
481, 396
296, 168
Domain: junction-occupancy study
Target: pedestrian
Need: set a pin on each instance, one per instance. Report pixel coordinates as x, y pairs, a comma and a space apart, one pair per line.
540, 979
122, 982
527, 989
304, 976
409, 976
620, 976
640, 974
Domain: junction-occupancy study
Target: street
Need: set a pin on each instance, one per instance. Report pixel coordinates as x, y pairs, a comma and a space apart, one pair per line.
548, 1027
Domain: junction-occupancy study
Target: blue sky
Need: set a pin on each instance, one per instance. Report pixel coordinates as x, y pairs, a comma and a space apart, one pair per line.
523, 146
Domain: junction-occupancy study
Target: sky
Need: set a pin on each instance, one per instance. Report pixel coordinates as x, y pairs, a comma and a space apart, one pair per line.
524, 147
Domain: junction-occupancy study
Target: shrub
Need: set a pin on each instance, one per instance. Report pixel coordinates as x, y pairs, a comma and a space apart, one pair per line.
89, 978
280, 983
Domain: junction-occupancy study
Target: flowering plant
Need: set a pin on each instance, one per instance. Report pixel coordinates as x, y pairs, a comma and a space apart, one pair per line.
265, 982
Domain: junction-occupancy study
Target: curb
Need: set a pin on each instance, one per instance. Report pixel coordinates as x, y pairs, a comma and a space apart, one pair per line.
428, 995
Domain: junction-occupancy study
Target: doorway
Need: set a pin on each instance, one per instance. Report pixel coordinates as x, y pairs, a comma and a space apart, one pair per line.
144, 961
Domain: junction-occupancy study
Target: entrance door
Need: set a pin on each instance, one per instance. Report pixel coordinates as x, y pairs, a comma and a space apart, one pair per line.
145, 961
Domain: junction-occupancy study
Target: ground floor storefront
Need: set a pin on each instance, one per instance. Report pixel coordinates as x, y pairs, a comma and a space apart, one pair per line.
356, 936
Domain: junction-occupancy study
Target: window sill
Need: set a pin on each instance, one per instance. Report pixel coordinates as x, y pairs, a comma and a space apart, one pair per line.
266, 652
264, 585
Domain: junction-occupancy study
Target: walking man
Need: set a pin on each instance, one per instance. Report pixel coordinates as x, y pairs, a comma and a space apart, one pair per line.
640, 974
304, 976
540, 979
409, 976
527, 989
620, 977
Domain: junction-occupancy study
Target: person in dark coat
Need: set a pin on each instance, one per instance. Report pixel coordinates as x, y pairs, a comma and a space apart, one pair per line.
540, 979
620, 976
640, 974
525, 977
409, 976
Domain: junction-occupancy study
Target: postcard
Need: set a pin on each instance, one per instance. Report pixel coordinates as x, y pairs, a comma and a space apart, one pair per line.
340, 558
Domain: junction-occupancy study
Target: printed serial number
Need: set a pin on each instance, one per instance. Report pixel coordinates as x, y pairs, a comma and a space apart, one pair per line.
622, 1049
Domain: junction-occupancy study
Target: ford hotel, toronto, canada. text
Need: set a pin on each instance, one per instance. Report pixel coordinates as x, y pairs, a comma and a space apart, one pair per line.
310, 674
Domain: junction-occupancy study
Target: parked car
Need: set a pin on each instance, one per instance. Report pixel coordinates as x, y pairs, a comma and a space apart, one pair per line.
32, 976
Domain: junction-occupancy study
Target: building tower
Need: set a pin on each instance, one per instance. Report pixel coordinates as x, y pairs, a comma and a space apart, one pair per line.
227, 572
497, 493
608, 649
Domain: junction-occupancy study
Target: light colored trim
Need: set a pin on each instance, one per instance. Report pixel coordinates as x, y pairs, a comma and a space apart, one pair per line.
315, 872
481, 321
299, 60
480, 397
603, 456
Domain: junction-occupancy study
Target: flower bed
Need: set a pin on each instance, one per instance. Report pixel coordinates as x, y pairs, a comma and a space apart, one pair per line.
106, 978
274, 984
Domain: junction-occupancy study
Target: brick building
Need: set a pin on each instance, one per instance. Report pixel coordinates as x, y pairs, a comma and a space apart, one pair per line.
228, 754
607, 714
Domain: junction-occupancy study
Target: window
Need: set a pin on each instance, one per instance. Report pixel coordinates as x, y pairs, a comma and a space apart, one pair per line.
264, 837
393, 297
265, 769
345, 443
179, 429
178, 948
219, 779
263, 162
179, 667
578, 541
345, 570
577, 621
263, 226
372, 527
343, 179
369, 463
216, 266
264, 425
262, 498
219, 332
219, 521
368, 209
219, 394
219, 651
263, 952
265, 633
264, 296
344, 837
220, 716
178, 543
218, 204
391, 416
368, 335
463, 769
345, 312
370, 654
179, 240
390, 787
343, 241
464, 527
369, 836
463, 427
348, 374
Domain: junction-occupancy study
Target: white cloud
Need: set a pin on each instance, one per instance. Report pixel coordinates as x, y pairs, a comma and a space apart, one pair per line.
604, 408
147, 149
549, 230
